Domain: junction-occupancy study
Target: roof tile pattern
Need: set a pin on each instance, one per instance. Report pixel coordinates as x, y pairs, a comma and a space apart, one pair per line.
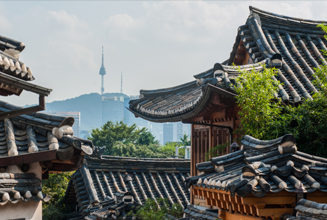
99, 180
263, 166
174, 104
298, 41
35, 132
15, 187
9, 59
168, 102
309, 210
193, 213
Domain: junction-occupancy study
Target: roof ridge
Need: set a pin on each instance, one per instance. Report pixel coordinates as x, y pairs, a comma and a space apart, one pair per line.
166, 90
263, 12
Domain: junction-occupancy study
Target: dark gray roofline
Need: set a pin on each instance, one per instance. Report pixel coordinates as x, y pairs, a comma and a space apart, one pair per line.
9, 43
106, 158
166, 90
289, 19
21, 84
41, 120
230, 69
207, 89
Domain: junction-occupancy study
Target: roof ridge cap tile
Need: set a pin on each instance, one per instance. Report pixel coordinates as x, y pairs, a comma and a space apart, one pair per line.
260, 11
167, 90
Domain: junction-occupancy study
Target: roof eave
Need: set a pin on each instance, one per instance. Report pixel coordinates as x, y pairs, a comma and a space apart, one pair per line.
208, 89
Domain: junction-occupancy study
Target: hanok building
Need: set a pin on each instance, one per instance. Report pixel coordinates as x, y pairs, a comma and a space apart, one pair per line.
264, 180
31, 144
108, 187
292, 45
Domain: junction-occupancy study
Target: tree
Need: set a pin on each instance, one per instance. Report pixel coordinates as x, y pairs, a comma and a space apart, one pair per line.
110, 133
255, 92
169, 149
265, 117
146, 138
185, 140
150, 210
55, 186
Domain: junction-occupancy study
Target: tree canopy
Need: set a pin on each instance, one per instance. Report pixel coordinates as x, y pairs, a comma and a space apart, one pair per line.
55, 186
110, 133
120, 139
264, 116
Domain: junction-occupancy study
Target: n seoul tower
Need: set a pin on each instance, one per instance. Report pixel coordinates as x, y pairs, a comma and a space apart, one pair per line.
102, 72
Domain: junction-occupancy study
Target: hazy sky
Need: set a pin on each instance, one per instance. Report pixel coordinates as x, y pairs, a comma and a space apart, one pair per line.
155, 44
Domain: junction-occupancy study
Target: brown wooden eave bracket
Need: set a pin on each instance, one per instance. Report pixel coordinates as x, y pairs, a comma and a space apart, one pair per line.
24, 111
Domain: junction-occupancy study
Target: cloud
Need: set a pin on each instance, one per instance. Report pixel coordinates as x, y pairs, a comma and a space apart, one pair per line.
176, 21
69, 40
68, 26
5, 25
66, 19
123, 26
194, 21
122, 21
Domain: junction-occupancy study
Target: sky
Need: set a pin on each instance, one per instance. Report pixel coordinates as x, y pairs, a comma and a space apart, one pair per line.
155, 44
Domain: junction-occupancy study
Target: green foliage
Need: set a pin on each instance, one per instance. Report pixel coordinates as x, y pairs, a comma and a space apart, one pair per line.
265, 118
169, 149
256, 90
146, 138
150, 210
110, 133
129, 141
55, 186
185, 140
324, 28
216, 151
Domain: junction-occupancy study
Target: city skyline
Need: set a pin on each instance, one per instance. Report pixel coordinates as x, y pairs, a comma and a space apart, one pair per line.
162, 42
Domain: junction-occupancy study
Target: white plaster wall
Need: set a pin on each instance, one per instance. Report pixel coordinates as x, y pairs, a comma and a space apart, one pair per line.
30, 210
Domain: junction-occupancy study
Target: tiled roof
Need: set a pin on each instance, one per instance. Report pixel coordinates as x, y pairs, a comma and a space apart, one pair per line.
39, 132
299, 41
261, 167
15, 187
309, 210
187, 100
293, 45
193, 213
9, 59
98, 181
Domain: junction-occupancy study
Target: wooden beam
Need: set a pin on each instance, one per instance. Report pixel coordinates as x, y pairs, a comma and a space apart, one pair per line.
276, 200
232, 216
275, 213
29, 158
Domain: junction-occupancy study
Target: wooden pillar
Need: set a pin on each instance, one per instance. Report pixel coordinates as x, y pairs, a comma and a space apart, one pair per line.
192, 195
210, 139
197, 147
192, 150
201, 148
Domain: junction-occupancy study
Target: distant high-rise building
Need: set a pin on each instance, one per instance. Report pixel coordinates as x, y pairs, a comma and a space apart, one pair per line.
112, 108
179, 131
168, 132
102, 72
75, 115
